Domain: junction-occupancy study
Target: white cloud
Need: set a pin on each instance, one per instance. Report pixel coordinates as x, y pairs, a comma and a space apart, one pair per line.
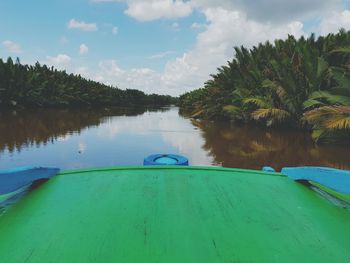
273, 10
335, 21
196, 25
81, 25
228, 23
110, 73
83, 71
162, 54
115, 30
261, 10
12, 46
83, 49
59, 61
143, 79
156, 9
224, 30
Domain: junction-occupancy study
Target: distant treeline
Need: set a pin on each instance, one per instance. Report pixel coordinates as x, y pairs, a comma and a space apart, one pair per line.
42, 86
295, 83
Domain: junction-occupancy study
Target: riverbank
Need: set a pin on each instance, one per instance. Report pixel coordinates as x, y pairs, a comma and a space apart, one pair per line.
38, 86
300, 83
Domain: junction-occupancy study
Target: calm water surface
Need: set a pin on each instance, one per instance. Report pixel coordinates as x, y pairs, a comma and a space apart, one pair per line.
84, 138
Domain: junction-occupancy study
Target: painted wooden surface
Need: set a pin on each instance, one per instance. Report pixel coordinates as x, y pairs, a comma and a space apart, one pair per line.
160, 214
335, 179
13, 179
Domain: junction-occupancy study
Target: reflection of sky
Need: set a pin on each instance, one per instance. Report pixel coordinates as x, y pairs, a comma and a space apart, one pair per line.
119, 140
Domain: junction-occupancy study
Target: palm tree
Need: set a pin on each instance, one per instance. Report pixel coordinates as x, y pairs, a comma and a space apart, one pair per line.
41, 86
277, 84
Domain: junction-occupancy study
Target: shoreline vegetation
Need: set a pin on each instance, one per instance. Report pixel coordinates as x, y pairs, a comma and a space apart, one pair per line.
40, 86
294, 83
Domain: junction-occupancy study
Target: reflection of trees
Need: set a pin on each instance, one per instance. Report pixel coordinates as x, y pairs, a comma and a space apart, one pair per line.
254, 147
28, 128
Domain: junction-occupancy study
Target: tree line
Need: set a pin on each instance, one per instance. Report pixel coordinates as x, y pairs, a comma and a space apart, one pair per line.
296, 83
42, 86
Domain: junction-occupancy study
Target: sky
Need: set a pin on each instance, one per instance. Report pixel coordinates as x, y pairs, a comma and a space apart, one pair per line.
157, 46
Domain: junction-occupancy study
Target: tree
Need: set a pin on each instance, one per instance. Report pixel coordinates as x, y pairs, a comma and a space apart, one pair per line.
280, 85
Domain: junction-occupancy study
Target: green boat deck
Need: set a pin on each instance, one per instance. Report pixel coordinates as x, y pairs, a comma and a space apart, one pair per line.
167, 214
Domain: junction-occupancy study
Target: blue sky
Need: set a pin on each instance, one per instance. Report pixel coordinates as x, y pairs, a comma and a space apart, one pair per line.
162, 46
42, 25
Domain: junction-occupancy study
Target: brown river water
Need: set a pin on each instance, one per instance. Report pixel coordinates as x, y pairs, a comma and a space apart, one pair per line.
71, 139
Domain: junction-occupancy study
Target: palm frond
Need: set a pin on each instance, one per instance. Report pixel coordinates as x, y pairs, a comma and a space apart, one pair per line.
322, 67
330, 98
272, 116
316, 116
260, 114
312, 103
339, 122
230, 108
342, 50
341, 76
259, 102
329, 117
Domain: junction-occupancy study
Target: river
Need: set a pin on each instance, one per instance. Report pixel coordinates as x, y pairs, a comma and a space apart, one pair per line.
71, 139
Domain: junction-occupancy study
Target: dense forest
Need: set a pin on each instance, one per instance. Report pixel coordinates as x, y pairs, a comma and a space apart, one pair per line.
296, 83
41, 86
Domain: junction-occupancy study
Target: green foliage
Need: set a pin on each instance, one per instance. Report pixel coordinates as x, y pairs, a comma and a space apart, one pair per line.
328, 121
40, 86
279, 84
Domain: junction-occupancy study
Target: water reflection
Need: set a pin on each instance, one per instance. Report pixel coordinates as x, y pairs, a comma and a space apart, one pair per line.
232, 145
76, 139
34, 128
